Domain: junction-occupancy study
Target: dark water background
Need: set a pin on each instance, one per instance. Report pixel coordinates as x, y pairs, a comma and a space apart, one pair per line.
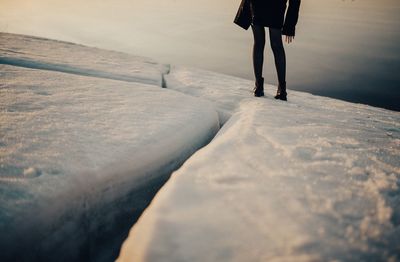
343, 49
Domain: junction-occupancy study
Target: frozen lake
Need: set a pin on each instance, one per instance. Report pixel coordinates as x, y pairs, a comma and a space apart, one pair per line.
343, 49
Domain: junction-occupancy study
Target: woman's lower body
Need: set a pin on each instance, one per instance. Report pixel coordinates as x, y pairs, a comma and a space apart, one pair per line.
275, 36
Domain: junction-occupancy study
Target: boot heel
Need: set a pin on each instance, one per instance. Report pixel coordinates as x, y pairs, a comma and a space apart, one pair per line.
259, 88
281, 92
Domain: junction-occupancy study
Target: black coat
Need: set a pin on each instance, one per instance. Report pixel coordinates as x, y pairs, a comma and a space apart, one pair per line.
270, 13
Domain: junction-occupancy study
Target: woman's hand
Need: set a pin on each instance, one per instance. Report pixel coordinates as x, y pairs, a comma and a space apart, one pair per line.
289, 39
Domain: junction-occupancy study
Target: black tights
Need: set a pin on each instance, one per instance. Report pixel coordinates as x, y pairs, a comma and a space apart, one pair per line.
275, 36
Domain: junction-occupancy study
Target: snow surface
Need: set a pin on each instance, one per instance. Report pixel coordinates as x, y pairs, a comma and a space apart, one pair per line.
313, 179
76, 152
86, 134
41, 53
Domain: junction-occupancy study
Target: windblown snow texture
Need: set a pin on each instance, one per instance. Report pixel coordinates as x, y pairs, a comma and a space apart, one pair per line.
87, 135
313, 179
81, 157
46, 54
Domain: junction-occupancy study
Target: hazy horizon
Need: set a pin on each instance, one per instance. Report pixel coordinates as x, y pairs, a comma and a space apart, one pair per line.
343, 49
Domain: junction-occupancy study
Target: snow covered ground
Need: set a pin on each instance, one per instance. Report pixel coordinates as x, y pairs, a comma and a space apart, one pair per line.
87, 135
314, 179
41, 53
81, 156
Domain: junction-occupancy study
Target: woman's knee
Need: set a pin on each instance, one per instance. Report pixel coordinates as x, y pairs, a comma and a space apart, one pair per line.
277, 46
259, 44
276, 40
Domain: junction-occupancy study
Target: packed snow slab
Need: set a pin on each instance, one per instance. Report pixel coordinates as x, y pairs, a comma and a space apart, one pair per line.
53, 55
223, 91
312, 179
77, 151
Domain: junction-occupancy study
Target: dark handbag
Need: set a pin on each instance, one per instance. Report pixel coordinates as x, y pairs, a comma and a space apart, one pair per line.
243, 16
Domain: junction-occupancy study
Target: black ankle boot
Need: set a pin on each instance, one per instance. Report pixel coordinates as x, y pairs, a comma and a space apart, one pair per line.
281, 92
259, 88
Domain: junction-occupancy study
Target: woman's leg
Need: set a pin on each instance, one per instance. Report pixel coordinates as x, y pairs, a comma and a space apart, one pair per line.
275, 36
258, 50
